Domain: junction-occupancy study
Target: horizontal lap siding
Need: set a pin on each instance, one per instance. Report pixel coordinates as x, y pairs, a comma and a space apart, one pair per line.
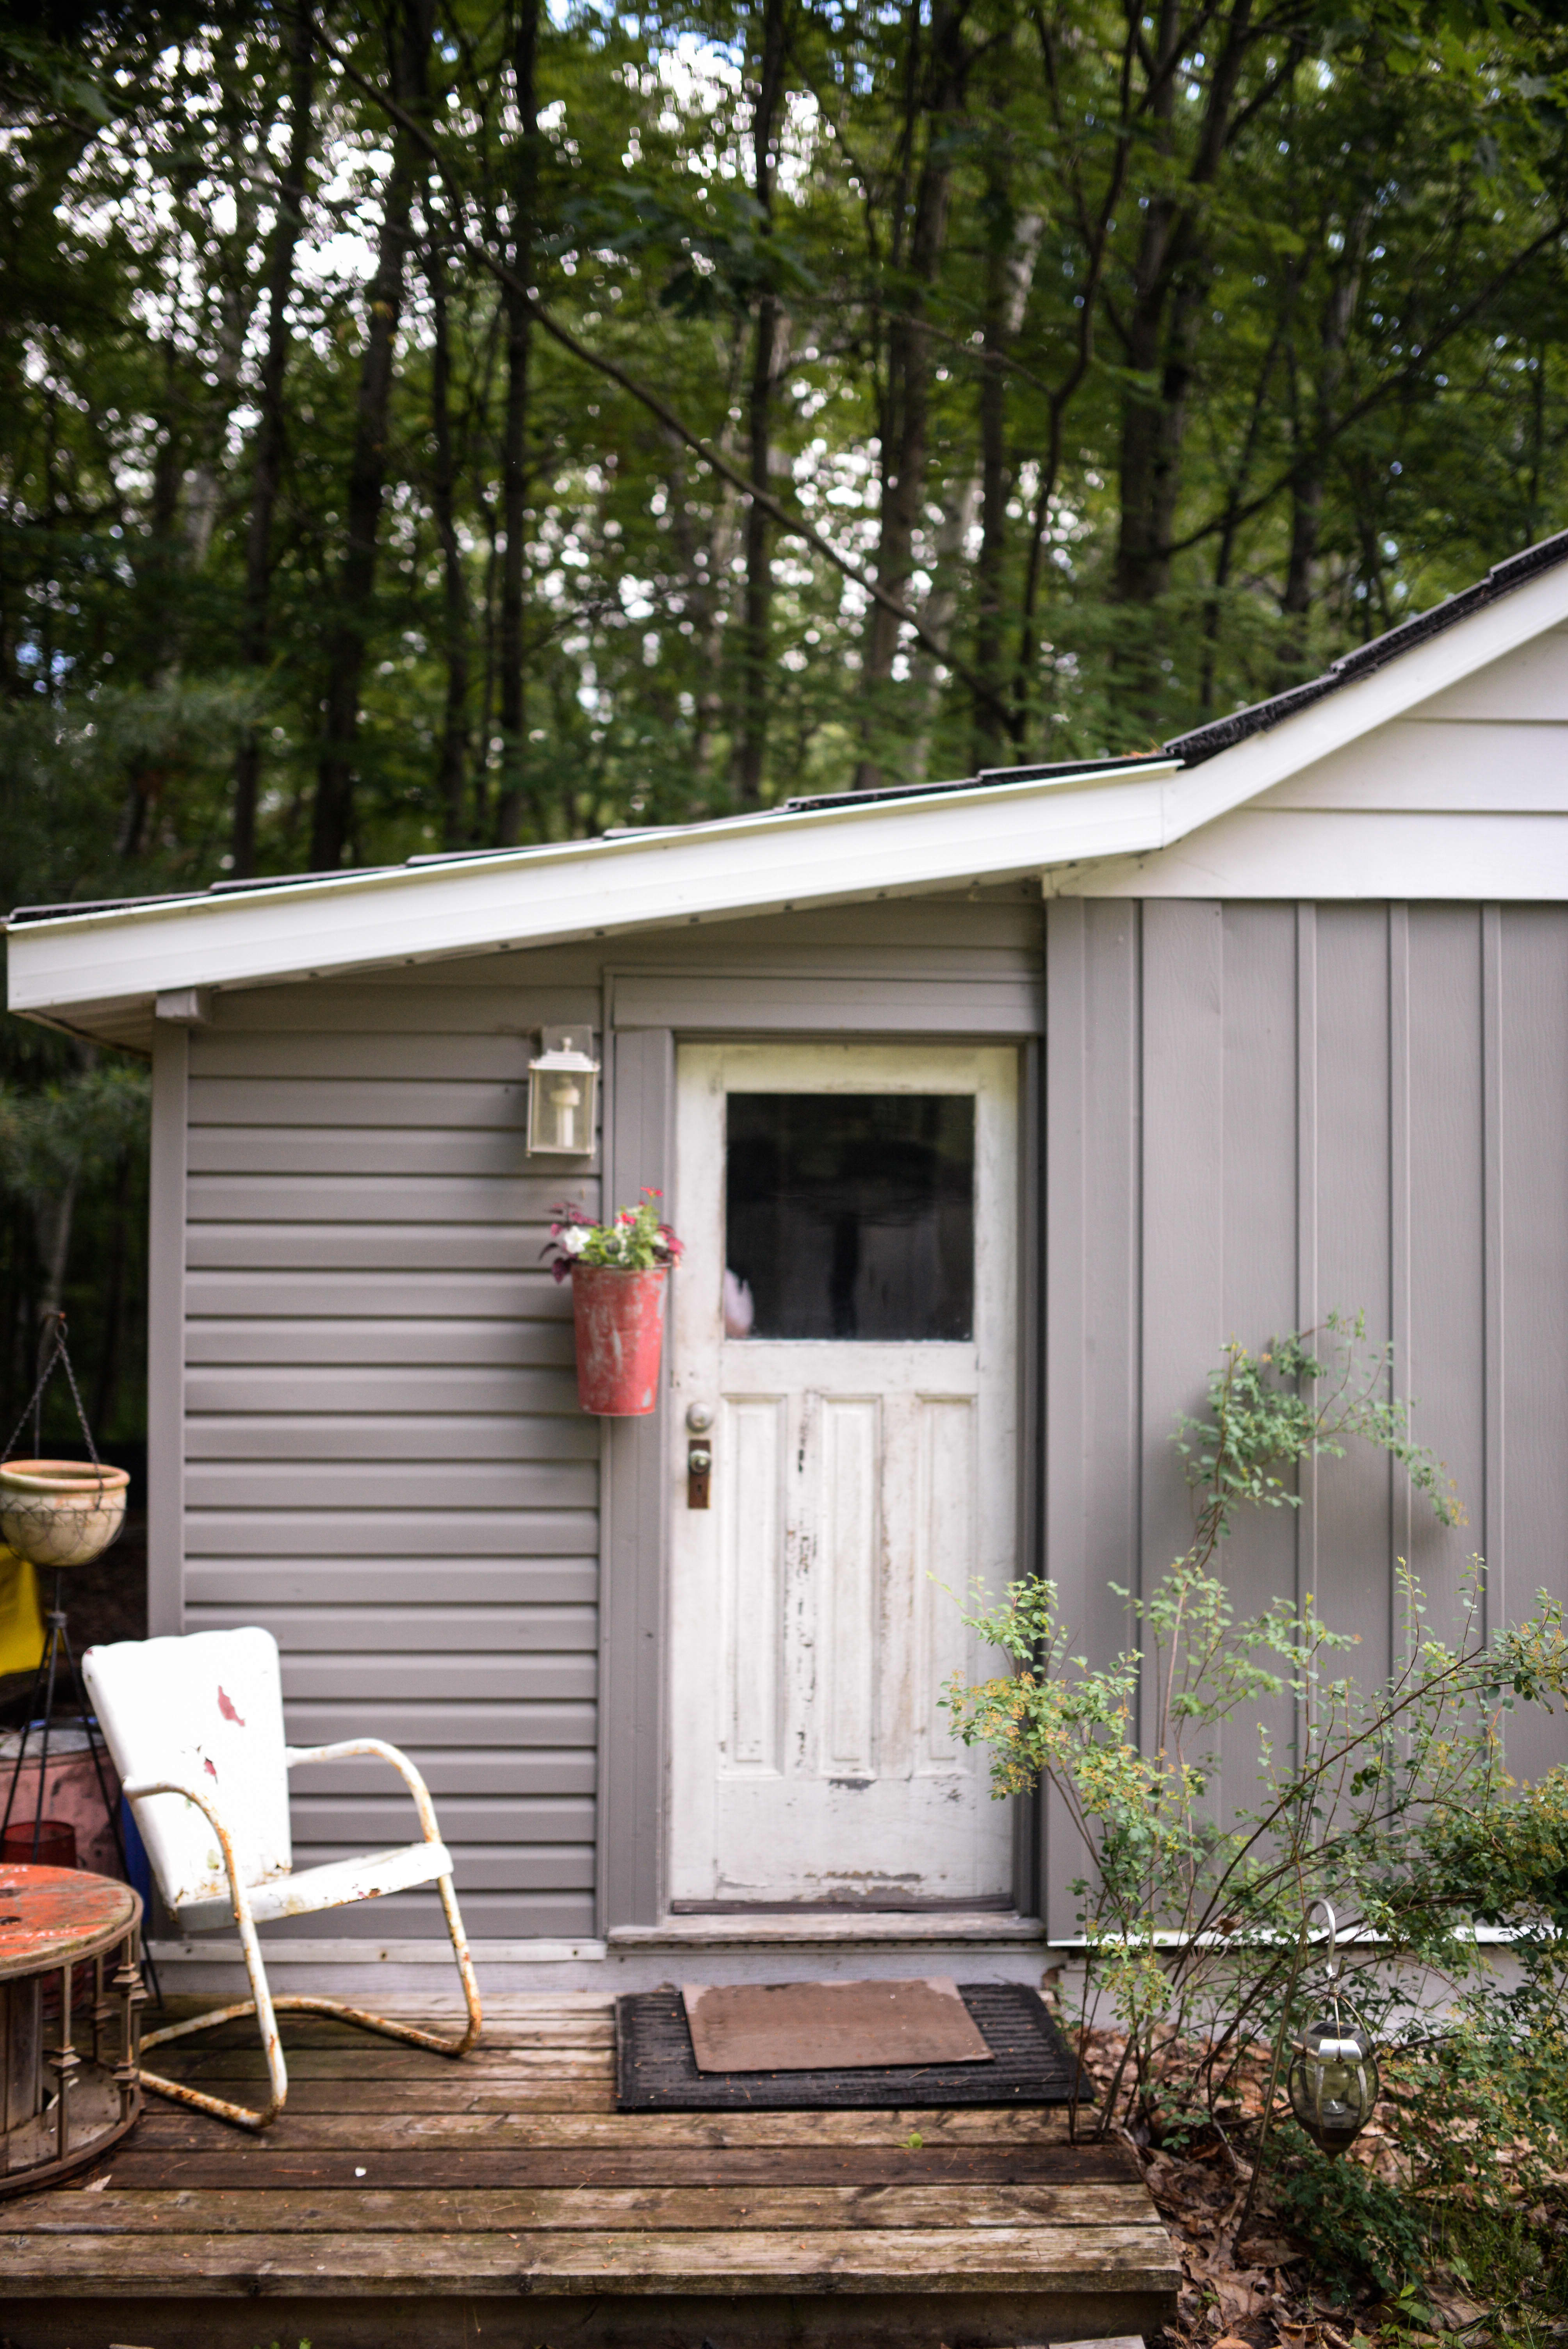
384, 1462
1257, 1113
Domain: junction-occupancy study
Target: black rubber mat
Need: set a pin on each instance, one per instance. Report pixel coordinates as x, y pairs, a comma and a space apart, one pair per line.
655, 2071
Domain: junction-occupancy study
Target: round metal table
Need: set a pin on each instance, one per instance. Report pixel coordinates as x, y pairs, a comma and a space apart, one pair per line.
63, 1932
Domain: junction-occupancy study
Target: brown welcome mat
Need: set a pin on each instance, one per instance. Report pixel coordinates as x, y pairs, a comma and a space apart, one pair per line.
655, 2068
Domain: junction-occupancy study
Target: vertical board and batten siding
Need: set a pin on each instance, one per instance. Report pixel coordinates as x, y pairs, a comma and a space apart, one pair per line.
384, 1458
1257, 1112
378, 1451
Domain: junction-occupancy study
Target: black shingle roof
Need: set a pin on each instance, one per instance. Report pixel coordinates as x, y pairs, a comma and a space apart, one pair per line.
1205, 741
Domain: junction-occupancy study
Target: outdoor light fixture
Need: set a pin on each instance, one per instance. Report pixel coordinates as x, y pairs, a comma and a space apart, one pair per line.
1334, 2080
563, 1094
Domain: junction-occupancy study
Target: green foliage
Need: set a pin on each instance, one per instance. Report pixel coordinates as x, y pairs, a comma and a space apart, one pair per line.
1358, 2228
1356, 350
1270, 1411
77, 1126
635, 1240
1390, 1799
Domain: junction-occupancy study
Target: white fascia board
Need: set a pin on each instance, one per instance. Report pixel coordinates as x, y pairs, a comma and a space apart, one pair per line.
1233, 777
587, 889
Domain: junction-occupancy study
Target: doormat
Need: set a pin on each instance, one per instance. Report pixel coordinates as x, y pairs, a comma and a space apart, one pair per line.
656, 2072
830, 2026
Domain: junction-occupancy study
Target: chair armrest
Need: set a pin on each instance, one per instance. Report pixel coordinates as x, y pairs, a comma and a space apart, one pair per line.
348, 1748
134, 1794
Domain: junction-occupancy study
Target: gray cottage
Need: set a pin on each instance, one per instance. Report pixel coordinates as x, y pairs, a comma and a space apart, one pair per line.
988, 1110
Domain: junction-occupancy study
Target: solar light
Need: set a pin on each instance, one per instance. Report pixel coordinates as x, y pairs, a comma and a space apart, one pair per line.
563, 1094
1333, 2082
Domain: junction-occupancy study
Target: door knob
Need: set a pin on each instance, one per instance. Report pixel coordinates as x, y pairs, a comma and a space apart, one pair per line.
700, 1469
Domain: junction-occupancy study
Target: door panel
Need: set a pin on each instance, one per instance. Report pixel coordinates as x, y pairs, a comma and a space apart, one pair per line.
861, 1482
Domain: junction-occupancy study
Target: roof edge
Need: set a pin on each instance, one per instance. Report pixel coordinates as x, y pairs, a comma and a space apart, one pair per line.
1204, 742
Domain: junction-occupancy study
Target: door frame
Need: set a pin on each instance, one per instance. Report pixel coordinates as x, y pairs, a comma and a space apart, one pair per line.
639, 1109
905, 1820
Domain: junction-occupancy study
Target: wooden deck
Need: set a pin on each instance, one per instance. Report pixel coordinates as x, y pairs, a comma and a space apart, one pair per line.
404, 2201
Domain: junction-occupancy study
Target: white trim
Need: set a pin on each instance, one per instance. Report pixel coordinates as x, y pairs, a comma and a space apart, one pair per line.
694, 1933
1344, 855
817, 1931
588, 889
346, 1950
1252, 765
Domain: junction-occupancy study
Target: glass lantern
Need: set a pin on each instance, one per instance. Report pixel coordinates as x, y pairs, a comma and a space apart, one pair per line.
563, 1094
1333, 2082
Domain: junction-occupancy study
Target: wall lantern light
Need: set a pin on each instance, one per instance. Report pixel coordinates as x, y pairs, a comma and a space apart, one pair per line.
1334, 2083
563, 1094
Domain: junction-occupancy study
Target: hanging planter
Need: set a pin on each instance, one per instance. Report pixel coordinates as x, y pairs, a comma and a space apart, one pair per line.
60, 1512
619, 1274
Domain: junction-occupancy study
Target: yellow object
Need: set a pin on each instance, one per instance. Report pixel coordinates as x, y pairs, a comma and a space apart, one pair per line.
21, 1624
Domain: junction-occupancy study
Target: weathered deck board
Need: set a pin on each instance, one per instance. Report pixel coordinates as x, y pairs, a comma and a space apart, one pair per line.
453, 2169
402, 2194
935, 2259
648, 2132
252, 2210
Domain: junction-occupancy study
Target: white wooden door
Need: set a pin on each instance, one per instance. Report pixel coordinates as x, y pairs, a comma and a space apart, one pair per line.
861, 1484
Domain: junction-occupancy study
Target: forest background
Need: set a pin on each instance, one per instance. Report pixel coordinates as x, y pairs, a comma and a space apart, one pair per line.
432, 424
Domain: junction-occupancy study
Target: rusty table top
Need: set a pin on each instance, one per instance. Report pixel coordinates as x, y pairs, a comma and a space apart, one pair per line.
51, 1915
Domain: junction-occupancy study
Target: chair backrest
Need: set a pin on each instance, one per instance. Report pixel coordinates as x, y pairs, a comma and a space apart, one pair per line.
207, 1712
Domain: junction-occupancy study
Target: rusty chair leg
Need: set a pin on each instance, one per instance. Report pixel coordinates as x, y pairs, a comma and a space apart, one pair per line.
266, 2008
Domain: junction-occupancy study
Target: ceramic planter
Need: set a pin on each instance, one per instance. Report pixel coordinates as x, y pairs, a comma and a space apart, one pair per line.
60, 1512
620, 1324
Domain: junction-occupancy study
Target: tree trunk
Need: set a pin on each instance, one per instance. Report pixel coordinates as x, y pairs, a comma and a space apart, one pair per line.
1309, 480
1010, 270
236, 309
514, 438
1229, 528
960, 506
909, 370
766, 362
452, 777
272, 431
333, 816
963, 504
1160, 335
158, 579
1151, 432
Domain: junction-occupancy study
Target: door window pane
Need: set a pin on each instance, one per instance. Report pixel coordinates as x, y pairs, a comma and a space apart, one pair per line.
849, 1215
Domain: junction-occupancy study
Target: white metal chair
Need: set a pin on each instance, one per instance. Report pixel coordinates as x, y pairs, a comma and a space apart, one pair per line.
196, 1730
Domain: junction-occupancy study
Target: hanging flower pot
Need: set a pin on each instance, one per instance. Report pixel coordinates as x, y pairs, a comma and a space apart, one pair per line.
60, 1512
619, 1274
620, 1323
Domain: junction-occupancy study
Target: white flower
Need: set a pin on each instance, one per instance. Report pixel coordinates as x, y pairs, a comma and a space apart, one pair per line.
575, 1239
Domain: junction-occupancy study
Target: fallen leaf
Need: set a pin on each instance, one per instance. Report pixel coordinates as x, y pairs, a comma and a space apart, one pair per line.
1455, 2311
1243, 2295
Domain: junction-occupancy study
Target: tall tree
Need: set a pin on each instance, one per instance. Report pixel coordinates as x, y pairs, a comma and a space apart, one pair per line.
514, 439
333, 816
767, 356
936, 68
452, 770
1012, 245
271, 428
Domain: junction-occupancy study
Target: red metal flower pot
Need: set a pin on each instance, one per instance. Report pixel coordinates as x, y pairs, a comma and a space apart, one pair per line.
620, 1323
